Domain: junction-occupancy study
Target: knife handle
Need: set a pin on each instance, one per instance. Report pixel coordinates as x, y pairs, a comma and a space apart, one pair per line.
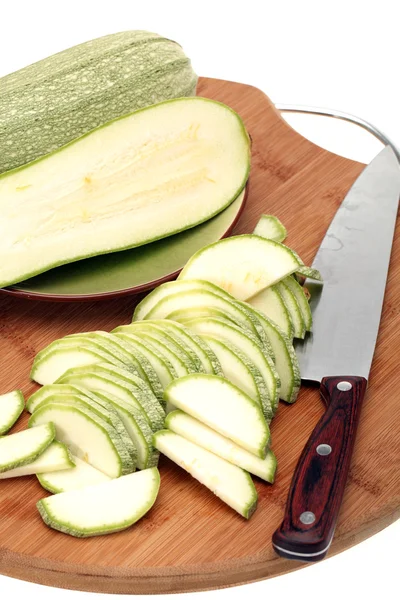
319, 480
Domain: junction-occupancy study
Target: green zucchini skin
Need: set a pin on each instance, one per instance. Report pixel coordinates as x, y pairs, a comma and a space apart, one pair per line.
60, 98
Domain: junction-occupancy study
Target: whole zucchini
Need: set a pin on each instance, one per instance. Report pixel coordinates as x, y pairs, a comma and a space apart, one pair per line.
56, 100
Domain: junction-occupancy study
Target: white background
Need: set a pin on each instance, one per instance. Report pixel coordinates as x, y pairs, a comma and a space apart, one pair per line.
324, 53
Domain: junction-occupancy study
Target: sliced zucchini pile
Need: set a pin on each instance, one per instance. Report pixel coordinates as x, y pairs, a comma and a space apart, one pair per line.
197, 375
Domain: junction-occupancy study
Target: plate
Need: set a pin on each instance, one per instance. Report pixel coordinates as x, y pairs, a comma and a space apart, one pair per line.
131, 271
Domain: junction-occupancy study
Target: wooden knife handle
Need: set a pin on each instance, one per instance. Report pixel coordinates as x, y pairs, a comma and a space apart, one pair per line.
319, 480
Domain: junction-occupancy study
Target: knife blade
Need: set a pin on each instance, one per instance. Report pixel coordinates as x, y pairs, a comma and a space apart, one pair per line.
354, 260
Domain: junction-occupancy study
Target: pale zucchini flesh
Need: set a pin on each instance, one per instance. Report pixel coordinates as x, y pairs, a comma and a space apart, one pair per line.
48, 368
142, 401
22, 448
207, 357
144, 392
227, 481
134, 180
182, 367
164, 369
135, 362
238, 369
56, 457
270, 227
197, 293
286, 361
298, 291
187, 314
49, 390
179, 337
243, 265
81, 476
209, 439
224, 330
167, 339
132, 415
271, 304
223, 407
194, 298
88, 436
138, 427
11, 408
102, 409
103, 508
299, 327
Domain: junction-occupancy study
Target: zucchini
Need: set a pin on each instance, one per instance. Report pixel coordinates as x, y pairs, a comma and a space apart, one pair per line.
227, 481
11, 408
51, 102
88, 436
240, 370
103, 381
22, 448
56, 457
225, 331
293, 307
140, 178
198, 433
243, 265
298, 292
102, 409
103, 508
52, 362
271, 304
271, 228
223, 407
82, 475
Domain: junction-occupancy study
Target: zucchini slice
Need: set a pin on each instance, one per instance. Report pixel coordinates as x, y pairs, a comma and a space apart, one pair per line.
270, 303
88, 436
22, 448
227, 481
209, 439
82, 475
56, 457
299, 326
240, 370
224, 330
223, 407
11, 408
103, 508
243, 265
270, 228
298, 291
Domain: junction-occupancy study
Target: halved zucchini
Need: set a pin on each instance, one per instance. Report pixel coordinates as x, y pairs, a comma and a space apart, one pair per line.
139, 178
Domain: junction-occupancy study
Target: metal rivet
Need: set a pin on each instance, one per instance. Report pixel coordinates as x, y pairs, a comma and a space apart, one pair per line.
307, 517
344, 386
324, 449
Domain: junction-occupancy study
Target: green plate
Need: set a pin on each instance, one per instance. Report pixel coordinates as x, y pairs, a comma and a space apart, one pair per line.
130, 271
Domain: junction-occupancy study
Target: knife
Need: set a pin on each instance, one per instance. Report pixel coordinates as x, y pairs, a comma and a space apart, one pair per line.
354, 260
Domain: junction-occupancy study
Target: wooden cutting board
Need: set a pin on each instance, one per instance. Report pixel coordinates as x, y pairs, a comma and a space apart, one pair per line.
190, 540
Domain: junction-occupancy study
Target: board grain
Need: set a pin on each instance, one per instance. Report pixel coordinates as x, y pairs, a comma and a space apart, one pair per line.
190, 540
